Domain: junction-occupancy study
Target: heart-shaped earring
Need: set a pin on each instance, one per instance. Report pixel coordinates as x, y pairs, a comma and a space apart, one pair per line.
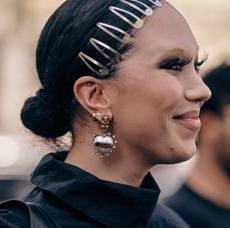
103, 144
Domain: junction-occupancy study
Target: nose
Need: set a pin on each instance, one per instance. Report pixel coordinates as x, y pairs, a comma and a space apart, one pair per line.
197, 90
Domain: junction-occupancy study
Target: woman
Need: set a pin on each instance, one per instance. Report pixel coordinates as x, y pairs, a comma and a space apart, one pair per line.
125, 67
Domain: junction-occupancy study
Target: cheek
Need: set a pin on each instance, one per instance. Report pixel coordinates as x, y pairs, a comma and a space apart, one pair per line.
166, 95
151, 100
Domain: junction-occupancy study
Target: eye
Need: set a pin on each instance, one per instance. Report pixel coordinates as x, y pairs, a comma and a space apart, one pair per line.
175, 64
198, 64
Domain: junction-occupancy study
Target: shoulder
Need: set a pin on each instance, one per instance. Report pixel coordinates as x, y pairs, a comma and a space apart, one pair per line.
14, 214
163, 217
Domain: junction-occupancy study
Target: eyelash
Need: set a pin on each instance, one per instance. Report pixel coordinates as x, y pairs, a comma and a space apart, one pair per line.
198, 64
179, 64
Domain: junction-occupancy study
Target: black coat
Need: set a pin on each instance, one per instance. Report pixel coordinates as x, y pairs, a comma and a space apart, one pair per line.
75, 198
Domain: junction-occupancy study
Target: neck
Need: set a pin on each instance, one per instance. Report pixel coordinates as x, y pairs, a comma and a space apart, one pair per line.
210, 180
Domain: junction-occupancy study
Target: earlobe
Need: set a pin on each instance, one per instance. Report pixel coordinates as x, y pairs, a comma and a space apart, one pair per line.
90, 94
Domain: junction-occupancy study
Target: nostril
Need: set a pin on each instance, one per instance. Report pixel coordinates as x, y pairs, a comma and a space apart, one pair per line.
176, 117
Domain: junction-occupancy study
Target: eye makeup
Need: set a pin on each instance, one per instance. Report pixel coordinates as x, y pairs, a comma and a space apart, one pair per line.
198, 64
177, 63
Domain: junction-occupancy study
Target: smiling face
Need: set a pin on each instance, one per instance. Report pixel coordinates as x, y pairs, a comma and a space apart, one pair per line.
156, 113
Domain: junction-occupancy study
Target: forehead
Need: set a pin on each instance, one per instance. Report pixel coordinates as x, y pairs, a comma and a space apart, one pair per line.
166, 29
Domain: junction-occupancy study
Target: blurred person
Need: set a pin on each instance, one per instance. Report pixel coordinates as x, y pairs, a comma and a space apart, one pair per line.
204, 200
126, 67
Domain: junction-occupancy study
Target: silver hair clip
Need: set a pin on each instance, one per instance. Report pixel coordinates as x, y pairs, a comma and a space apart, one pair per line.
156, 2
147, 12
123, 37
102, 72
138, 24
126, 37
115, 59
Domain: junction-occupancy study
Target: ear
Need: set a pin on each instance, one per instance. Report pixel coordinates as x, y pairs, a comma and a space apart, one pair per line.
89, 92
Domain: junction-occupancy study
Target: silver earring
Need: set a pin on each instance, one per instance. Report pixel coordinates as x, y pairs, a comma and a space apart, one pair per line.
103, 144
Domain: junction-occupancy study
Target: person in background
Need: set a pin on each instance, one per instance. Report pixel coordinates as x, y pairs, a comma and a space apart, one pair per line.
123, 77
204, 200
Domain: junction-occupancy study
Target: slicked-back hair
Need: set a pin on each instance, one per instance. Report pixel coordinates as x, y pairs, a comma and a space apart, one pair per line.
66, 33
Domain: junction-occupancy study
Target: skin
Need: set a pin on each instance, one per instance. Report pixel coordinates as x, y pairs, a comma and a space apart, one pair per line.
142, 102
211, 175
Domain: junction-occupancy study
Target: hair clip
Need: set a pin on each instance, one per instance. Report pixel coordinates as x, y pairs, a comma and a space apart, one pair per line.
102, 72
123, 37
115, 59
126, 37
156, 2
138, 24
147, 12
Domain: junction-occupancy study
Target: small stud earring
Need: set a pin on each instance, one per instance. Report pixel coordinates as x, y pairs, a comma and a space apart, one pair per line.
101, 143
98, 114
94, 116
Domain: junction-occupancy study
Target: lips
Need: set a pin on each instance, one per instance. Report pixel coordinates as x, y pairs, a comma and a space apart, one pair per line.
189, 120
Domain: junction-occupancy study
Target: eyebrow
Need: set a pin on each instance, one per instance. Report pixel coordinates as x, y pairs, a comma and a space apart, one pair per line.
176, 49
179, 49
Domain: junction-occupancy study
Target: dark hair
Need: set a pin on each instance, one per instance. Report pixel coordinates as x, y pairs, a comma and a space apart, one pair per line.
218, 80
67, 32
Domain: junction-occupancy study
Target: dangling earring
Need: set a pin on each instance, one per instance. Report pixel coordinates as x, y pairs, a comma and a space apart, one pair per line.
101, 143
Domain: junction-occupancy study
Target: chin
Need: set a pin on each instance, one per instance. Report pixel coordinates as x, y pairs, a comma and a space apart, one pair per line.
188, 152
182, 153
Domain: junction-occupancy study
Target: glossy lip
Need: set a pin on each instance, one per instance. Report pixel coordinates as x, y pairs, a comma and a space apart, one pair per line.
189, 120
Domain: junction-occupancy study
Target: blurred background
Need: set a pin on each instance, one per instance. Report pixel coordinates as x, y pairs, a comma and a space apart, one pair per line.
21, 22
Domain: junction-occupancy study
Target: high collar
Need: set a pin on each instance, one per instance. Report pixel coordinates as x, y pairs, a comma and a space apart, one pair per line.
116, 205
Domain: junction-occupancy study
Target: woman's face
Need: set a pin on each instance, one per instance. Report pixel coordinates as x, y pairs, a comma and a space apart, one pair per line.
156, 112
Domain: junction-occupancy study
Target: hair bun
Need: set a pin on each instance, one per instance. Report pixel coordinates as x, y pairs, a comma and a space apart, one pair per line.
41, 120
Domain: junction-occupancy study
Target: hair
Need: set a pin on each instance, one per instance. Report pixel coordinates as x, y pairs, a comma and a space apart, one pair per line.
218, 80
51, 112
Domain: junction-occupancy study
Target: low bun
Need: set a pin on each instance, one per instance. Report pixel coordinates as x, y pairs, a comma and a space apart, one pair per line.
43, 121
